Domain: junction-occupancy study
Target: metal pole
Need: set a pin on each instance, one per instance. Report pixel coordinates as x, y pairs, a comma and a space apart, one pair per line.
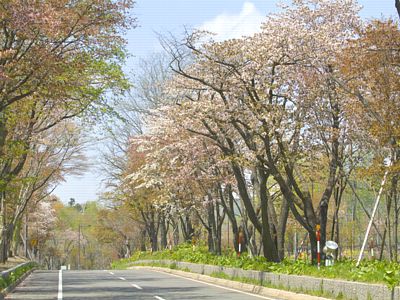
372, 218
79, 247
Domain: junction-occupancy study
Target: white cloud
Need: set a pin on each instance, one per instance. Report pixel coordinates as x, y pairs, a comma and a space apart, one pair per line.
226, 26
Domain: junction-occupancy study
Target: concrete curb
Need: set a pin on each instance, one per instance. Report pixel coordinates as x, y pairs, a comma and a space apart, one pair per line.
332, 288
11, 287
244, 287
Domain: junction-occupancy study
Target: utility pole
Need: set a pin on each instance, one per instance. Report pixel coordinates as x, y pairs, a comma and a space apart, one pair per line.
79, 246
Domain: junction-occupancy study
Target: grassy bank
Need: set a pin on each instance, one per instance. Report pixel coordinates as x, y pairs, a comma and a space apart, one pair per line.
369, 271
15, 275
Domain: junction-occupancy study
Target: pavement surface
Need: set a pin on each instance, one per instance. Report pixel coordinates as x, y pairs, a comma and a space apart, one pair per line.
120, 285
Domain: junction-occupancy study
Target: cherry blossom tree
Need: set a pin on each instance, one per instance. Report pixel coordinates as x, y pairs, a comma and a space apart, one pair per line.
54, 154
257, 97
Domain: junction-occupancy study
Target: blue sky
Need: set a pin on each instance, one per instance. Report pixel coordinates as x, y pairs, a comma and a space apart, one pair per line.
229, 18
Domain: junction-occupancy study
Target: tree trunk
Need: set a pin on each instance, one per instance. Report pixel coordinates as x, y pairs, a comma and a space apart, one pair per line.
3, 243
232, 218
389, 230
211, 226
281, 232
335, 234
3, 133
16, 238
175, 233
269, 249
153, 237
187, 228
383, 241
227, 202
244, 195
26, 236
313, 244
163, 232
143, 240
127, 248
394, 197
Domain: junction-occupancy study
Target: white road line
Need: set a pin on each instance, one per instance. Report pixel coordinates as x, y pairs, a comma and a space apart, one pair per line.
218, 286
122, 278
111, 273
159, 298
136, 286
59, 296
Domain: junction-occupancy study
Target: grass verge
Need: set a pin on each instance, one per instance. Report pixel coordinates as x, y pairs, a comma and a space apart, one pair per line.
382, 272
15, 275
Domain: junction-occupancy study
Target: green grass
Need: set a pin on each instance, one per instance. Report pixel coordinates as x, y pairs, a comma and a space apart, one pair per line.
318, 293
15, 275
369, 271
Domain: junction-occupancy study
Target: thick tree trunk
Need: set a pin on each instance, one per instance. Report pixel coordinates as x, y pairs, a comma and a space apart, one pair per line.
313, 245
244, 195
218, 229
282, 223
397, 5
211, 228
269, 249
231, 215
163, 232
153, 238
143, 240
187, 228
175, 233
324, 203
309, 220
152, 226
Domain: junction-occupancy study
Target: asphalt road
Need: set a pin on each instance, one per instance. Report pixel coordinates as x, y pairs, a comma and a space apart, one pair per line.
119, 285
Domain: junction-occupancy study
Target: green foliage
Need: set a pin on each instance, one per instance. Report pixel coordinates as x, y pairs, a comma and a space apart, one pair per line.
15, 275
369, 271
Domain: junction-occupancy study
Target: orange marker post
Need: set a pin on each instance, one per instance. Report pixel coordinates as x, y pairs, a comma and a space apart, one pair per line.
318, 234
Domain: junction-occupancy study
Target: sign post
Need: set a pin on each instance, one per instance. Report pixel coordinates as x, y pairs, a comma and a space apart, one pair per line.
318, 234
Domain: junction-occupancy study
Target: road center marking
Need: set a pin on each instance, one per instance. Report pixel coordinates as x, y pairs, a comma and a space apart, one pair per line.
122, 278
159, 298
59, 296
136, 286
111, 273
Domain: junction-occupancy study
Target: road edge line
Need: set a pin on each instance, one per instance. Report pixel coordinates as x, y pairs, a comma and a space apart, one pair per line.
217, 285
251, 289
60, 292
